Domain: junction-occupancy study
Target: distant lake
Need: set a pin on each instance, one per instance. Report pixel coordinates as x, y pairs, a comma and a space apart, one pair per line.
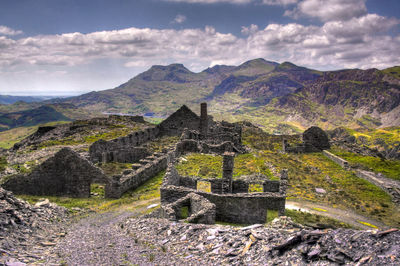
146, 115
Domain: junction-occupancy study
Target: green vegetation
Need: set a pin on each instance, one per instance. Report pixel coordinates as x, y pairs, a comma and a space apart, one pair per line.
89, 137
184, 212
159, 144
380, 138
114, 168
390, 168
40, 115
393, 71
210, 166
131, 200
3, 163
344, 189
315, 220
9, 137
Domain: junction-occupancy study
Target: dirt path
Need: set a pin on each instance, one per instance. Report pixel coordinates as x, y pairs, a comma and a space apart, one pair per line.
98, 240
346, 216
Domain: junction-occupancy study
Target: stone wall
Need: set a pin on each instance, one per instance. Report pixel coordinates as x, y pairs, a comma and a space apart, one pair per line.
64, 174
314, 140
200, 209
178, 121
119, 184
123, 149
342, 162
238, 206
197, 146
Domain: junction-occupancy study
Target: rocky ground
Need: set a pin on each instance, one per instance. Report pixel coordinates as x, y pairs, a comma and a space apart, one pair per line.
43, 235
283, 243
27, 232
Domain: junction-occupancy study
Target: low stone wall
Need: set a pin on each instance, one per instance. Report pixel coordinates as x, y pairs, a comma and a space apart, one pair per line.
196, 146
119, 184
343, 163
390, 186
200, 210
130, 155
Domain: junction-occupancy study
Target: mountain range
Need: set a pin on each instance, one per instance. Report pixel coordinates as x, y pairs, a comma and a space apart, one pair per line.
279, 97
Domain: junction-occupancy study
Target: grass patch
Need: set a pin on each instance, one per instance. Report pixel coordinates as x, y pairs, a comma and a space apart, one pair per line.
309, 219
130, 200
271, 215
114, 168
159, 144
390, 168
319, 209
88, 136
255, 188
368, 224
344, 189
203, 186
184, 212
3, 163
210, 166
9, 137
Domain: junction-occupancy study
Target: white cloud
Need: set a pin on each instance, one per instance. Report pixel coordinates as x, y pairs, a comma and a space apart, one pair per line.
179, 19
4, 30
329, 10
361, 42
249, 30
279, 2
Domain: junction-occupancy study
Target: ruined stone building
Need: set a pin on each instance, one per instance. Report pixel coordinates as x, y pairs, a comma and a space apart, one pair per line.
314, 140
68, 174
228, 200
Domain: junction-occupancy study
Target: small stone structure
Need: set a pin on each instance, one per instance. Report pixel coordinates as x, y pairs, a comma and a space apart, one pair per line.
314, 140
64, 174
200, 209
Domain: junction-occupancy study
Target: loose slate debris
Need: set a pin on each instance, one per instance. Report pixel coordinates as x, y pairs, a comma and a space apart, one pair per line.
282, 242
26, 229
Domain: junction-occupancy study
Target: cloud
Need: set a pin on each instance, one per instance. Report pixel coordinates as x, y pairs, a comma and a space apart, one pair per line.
211, 1
249, 30
361, 42
279, 2
179, 19
4, 30
329, 10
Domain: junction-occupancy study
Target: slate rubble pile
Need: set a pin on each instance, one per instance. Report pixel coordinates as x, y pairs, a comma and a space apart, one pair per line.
27, 229
282, 243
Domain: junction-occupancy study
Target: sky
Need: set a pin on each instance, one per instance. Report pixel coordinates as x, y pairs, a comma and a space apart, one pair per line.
70, 47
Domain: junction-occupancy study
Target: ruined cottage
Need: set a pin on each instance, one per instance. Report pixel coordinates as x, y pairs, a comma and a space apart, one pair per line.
64, 174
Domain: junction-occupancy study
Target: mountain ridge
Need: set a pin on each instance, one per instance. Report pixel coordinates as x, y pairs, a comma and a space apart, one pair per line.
270, 94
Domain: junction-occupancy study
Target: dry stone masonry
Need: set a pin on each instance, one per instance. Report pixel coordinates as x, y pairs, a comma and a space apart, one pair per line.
65, 174
314, 140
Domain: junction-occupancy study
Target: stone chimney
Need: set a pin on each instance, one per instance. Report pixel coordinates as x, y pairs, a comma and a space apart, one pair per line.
227, 170
203, 119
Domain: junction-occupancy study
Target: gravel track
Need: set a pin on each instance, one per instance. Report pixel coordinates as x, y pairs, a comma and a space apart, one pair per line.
97, 240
